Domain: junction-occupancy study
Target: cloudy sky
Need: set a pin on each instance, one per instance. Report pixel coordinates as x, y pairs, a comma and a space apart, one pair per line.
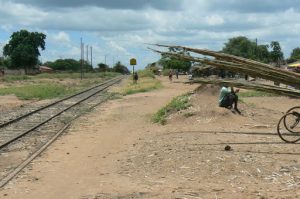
118, 29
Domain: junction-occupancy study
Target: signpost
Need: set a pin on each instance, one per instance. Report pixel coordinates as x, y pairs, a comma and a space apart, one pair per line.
133, 63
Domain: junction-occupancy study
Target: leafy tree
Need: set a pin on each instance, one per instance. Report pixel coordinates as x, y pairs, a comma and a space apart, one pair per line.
262, 53
240, 46
243, 47
276, 54
120, 68
295, 55
169, 62
23, 48
69, 65
103, 67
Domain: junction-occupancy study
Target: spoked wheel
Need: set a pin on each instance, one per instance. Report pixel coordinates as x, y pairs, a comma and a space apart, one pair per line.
295, 108
288, 127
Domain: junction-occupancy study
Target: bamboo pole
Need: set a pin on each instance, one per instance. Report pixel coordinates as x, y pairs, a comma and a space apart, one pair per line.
249, 85
245, 66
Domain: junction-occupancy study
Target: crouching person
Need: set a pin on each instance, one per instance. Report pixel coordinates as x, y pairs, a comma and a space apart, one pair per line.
229, 98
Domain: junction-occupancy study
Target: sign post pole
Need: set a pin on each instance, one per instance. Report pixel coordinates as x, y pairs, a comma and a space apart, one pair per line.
133, 63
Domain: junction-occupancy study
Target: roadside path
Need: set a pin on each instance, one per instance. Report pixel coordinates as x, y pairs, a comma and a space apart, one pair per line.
85, 161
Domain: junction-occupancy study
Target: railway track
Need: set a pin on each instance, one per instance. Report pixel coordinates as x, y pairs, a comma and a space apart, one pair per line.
17, 128
25, 136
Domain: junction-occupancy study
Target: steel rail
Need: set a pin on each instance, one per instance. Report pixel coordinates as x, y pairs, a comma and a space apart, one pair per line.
110, 83
56, 102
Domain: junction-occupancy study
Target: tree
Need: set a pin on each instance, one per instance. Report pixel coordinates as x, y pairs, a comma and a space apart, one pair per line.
240, 46
262, 53
120, 68
243, 47
295, 55
23, 48
276, 54
173, 63
103, 67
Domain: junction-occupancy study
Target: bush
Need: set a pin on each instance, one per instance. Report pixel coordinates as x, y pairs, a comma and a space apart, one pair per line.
177, 104
146, 73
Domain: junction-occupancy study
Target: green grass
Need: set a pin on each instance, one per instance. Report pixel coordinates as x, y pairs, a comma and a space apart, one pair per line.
13, 78
75, 75
60, 76
145, 73
41, 91
178, 103
256, 94
143, 85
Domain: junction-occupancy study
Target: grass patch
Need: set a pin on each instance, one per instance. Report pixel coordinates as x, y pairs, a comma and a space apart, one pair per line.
60, 76
49, 86
256, 94
75, 75
143, 85
13, 78
41, 91
178, 103
145, 73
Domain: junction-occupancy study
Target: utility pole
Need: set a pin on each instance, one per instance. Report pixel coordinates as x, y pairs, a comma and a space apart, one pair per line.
87, 54
256, 46
91, 56
81, 57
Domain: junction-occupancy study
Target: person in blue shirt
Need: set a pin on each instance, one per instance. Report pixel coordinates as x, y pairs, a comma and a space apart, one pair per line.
228, 98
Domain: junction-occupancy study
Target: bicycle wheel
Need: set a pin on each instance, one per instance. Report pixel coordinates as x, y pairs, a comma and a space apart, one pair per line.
295, 108
288, 128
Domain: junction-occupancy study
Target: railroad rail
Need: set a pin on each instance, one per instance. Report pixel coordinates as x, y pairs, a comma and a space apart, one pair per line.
19, 127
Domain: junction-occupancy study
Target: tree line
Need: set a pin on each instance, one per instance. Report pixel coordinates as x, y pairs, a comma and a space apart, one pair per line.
23, 50
239, 46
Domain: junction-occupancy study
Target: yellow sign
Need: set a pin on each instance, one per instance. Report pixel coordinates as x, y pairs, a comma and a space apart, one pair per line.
133, 61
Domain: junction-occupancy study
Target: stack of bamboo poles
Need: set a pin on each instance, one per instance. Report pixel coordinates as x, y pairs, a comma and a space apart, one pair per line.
240, 65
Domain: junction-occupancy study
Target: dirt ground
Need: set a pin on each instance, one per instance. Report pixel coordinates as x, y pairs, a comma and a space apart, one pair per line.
117, 152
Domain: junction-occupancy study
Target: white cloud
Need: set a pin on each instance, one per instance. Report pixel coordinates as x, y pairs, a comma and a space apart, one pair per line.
20, 14
117, 47
62, 37
214, 20
119, 29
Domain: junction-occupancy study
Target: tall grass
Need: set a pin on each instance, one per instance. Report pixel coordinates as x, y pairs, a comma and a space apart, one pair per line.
41, 91
13, 78
144, 85
61, 76
255, 94
75, 75
145, 73
42, 87
178, 103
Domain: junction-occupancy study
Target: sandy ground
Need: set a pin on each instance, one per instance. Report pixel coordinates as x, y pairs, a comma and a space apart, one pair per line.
116, 152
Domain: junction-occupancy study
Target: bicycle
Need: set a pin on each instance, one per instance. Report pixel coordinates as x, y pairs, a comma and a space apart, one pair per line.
288, 127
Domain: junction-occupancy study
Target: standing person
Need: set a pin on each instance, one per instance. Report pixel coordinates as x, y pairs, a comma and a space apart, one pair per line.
135, 77
229, 97
177, 73
170, 75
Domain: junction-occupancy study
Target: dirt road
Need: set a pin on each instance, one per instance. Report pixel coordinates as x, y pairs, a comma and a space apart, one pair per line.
116, 152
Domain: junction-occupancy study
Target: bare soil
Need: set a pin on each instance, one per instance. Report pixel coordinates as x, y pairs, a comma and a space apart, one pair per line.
117, 152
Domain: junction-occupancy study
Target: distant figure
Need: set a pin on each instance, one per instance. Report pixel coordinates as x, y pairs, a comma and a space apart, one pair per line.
177, 73
135, 77
170, 75
228, 97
